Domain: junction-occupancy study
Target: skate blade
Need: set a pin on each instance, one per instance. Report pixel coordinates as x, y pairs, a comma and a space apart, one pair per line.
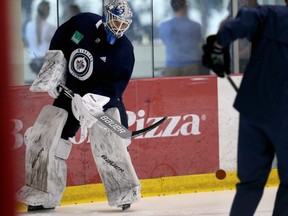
38, 208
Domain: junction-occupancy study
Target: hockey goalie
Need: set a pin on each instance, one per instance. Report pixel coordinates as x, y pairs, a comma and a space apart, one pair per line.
90, 55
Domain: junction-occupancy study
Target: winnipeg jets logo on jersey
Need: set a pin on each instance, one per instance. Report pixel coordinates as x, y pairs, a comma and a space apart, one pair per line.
81, 64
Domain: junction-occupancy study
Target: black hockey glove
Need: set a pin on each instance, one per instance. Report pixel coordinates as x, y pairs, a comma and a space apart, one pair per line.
218, 60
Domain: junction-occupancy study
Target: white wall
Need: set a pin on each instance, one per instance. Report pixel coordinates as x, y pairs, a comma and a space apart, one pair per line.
228, 123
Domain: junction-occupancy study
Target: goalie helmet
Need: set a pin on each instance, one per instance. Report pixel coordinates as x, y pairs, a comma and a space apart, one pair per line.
117, 19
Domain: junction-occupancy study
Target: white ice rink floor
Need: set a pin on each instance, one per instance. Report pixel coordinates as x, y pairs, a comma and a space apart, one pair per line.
202, 204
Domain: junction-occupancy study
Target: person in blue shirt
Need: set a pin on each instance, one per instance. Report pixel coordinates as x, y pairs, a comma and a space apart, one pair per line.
262, 101
183, 39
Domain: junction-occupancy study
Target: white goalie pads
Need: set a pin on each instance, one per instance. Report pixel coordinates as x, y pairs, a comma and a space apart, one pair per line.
114, 164
45, 166
52, 73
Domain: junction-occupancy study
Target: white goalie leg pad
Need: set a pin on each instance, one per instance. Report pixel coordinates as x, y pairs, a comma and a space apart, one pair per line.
114, 164
52, 73
45, 174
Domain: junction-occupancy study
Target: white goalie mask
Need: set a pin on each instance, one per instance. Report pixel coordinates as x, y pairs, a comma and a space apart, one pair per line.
117, 19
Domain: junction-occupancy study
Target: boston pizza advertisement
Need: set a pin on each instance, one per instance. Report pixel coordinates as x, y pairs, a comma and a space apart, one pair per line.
185, 144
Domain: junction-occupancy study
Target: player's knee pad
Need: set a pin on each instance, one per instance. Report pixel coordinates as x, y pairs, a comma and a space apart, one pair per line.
114, 165
63, 149
45, 171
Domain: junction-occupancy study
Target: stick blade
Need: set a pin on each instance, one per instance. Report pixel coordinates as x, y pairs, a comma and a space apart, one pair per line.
145, 130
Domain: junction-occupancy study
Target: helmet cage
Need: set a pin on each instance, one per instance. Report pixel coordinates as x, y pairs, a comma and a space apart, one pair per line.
118, 17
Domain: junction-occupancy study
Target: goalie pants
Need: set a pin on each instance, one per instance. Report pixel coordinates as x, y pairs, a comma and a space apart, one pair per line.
72, 124
257, 146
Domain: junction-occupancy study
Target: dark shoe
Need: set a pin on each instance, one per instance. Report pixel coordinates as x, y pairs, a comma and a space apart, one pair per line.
125, 206
38, 208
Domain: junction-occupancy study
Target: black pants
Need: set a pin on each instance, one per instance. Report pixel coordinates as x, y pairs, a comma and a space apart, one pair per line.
257, 146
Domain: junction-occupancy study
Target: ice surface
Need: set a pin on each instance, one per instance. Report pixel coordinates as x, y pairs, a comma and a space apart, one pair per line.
201, 204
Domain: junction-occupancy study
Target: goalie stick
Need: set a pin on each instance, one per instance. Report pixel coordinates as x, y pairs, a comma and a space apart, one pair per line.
113, 124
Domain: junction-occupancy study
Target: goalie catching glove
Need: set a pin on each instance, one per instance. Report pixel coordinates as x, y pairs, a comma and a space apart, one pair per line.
52, 73
216, 59
87, 108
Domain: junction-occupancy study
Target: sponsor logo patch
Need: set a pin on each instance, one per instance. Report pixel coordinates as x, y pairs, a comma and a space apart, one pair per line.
77, 37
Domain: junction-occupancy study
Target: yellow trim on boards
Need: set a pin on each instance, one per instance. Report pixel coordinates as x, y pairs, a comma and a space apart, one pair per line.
160, 187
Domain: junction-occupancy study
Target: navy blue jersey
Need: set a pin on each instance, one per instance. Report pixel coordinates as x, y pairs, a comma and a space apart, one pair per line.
263, 94
94, 65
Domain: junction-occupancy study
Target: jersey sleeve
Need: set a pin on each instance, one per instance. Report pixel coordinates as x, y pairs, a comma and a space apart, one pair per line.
57, 39
60, 39
247, 24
